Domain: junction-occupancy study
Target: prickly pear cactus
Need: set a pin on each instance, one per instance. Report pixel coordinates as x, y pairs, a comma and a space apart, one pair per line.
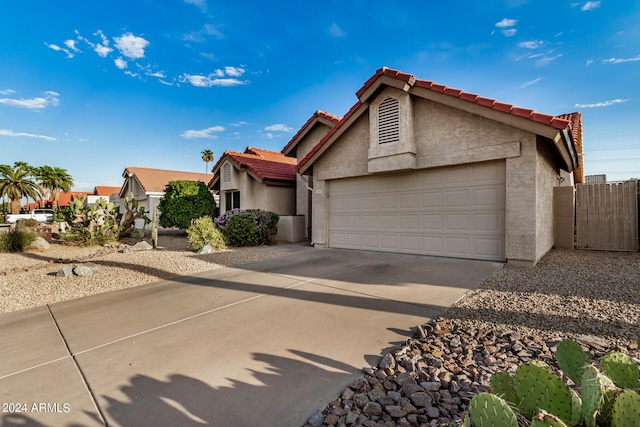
571, 359
626, 410
593, 393
545, 419
489, 410
622, 370
539, 388
502, 385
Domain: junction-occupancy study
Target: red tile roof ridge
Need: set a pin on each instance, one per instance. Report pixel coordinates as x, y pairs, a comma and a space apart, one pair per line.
163, 170
318, 113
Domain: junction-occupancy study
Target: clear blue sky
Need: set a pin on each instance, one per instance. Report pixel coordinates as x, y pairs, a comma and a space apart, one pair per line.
95, 87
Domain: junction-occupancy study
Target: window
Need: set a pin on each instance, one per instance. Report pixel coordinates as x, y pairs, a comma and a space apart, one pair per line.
231, 200
389, 121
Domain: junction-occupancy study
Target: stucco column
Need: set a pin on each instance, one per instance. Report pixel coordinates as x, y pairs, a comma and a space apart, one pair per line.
320, 217
521, 209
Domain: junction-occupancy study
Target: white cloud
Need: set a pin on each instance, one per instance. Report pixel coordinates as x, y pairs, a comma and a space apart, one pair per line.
120, 63
102, 50
233, 71
546, 60
590, 5
507, 26
71, 44
199, 36
269, 135
602, 104
278, 128
589, 62
530, 83
51, 100
201, 4
6, 132
7, 92
131, 46
531, 44
335, 31
207, 133
218, 78
58, 48
620, 60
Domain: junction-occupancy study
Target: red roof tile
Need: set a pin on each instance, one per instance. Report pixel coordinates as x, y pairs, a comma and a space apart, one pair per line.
103, 190
318, 114
560, 122
267, 165
156, 180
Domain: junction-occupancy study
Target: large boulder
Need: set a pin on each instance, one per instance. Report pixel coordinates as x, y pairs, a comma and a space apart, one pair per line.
40, 244
85, 269
141, 246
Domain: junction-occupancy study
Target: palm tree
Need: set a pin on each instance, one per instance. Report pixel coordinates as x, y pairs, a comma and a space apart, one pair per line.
54, 180
207, 156
17, 182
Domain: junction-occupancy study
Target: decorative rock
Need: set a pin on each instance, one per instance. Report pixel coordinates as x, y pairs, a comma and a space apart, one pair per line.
65, 271
351, 418
85, 270
141, 246
395, 411
431, 386
360, 399
387, 361
316, 419
39, 244
432, 412
331, 419
421, 399
372, 408
204, 251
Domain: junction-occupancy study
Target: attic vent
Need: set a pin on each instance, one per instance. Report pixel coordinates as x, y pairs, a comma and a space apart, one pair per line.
226, 172
389, 121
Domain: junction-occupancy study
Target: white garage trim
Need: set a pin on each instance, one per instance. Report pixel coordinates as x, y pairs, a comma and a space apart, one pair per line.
455, 212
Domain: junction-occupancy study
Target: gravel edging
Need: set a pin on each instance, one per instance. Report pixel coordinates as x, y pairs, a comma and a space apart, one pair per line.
516, 315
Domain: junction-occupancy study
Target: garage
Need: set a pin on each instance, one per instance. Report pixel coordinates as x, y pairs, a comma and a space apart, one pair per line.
454, 212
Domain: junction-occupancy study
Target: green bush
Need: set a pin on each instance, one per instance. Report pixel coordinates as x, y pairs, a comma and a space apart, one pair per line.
17, 240
202, 232
248, 228
184, 201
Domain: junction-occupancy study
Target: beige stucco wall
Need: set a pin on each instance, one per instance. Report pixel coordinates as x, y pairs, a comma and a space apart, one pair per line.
303, 148
448, 136
280, 200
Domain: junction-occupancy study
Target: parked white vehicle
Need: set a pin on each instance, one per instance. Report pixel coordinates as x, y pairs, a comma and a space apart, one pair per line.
40, 215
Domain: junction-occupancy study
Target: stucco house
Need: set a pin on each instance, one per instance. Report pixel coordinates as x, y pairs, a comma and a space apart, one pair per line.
260, 179
316, 127
418, 167
101, 192
255, 179
148, 185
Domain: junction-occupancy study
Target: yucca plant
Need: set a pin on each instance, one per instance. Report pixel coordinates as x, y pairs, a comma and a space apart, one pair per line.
17, 240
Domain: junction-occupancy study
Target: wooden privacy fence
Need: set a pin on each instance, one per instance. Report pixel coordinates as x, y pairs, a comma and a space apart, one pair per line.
607, 216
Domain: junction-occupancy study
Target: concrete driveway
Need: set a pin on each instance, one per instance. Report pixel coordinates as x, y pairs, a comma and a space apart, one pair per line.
266, 344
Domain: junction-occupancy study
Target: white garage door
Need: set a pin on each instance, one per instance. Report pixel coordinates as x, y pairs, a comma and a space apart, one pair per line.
454, 212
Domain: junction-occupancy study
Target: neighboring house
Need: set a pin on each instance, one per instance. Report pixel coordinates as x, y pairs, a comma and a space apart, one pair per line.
101, 192
148, 185
318, 125
64, 199
417, 167
255, 179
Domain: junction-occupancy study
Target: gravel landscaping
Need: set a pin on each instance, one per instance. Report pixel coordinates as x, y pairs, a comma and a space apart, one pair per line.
29, 279
514, 316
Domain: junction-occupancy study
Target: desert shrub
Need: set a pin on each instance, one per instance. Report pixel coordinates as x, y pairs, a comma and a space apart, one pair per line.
17, 239
29, 224
91, 225
184, 201
248, 228
202, 232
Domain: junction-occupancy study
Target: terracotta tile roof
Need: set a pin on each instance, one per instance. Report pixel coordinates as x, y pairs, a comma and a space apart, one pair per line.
155, 180
575, 121
557, 122
313, 119
267, 165
103, 190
